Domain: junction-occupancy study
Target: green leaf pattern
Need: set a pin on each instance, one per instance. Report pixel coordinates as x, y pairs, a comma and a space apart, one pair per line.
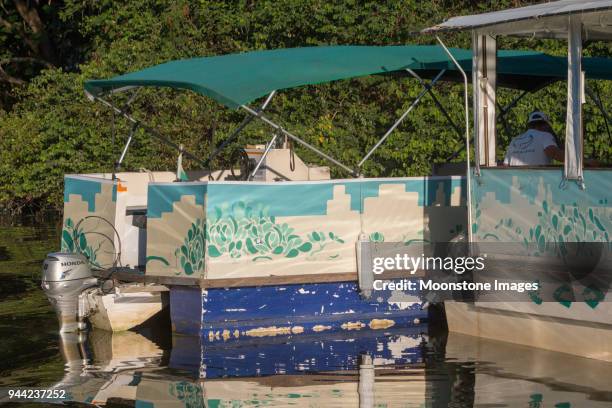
74, 240
246, 230
555, 227
190, 255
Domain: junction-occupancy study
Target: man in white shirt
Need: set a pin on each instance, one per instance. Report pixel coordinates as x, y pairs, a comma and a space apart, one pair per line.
537, 146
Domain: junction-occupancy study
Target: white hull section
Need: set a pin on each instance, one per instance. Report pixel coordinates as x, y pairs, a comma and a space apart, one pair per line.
578, 337
126, 307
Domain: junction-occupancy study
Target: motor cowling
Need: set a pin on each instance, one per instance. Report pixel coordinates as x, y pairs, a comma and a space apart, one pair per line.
64, 277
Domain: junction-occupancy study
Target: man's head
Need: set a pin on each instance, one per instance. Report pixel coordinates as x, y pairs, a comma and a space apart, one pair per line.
539, 121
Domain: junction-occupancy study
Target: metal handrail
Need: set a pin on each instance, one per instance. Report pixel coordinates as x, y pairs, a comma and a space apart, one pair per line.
467, 138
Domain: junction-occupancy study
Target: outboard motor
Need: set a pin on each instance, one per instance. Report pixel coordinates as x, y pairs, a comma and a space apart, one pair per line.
64, 277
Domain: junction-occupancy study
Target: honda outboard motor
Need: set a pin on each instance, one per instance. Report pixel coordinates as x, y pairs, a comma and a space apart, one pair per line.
64, 277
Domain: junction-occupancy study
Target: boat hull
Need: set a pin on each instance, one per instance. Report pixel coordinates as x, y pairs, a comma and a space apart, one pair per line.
119, 311
572, 336
230, 314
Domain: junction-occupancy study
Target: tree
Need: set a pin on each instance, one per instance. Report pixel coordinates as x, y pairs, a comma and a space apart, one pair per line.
33, 37
48, 128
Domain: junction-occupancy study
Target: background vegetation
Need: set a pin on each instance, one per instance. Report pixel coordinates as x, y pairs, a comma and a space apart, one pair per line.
48, 128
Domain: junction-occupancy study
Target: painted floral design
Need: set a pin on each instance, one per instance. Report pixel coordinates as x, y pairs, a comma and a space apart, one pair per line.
565, 232
554, 230
188, 393
74, 240
245, 230
191, 254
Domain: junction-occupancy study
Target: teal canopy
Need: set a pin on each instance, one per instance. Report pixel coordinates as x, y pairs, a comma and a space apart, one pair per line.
239, 79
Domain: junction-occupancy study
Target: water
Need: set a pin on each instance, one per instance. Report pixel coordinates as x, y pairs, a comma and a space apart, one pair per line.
28, 332
410, 369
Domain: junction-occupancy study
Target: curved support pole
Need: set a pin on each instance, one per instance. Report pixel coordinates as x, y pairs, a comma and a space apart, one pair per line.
467, 138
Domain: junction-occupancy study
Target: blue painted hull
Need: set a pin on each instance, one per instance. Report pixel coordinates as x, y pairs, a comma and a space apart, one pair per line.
226, 315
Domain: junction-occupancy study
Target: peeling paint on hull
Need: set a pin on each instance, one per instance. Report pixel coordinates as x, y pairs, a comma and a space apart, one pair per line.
225, 315
376, 324
273, 331
352, 326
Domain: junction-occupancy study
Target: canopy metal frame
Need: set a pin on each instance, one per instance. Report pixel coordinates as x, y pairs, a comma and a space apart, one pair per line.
427, 89
253, 113
434, 97
263, 156
599, 103
501, 116
236, 132
280, 129
136, 123
126, 146
504, 110
313, 65
258, 113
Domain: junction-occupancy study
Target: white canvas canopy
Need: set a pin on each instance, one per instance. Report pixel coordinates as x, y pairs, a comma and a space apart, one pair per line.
546, 20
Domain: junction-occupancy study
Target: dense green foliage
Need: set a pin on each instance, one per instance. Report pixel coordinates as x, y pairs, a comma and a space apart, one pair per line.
48, 128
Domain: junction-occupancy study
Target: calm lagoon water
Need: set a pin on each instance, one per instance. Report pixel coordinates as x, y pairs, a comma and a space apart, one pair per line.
154, 368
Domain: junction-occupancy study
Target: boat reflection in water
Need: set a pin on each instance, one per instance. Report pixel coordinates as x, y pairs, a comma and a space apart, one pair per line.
394, 369
106, 365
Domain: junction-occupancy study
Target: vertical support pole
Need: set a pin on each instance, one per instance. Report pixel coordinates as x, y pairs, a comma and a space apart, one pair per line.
364, 266
366, 381
475, 104
575, 98
485, 78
